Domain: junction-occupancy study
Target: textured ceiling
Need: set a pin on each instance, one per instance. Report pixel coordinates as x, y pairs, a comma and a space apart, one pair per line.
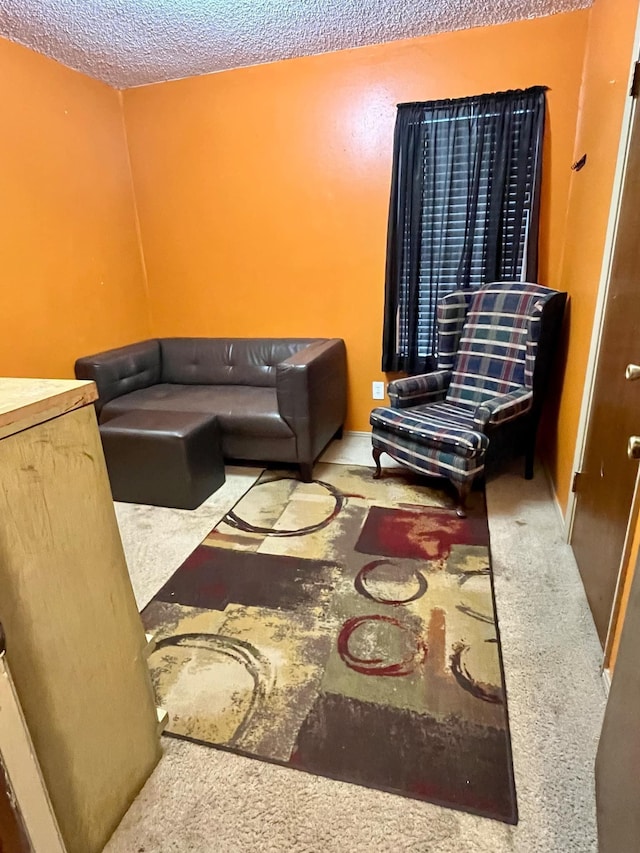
132, 42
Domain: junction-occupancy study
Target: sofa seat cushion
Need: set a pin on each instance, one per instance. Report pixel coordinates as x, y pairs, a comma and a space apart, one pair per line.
441, 426
238, 409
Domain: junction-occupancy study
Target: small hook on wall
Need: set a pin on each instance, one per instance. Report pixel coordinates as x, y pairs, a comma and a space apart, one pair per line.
579, 164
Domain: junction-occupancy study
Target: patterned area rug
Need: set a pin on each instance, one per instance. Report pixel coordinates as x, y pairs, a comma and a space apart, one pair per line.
345, 627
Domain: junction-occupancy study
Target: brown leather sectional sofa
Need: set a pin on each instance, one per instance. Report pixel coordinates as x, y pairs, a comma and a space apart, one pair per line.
274, 399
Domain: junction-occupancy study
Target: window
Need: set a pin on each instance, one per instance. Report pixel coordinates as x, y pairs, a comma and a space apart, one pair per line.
463, 212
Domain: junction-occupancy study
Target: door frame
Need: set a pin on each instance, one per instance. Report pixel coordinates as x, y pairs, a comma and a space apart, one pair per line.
615, 767
603, 286
623, 570
21, 765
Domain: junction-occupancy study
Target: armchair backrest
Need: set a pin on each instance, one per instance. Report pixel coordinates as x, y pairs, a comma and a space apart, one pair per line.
498, 343
451, 314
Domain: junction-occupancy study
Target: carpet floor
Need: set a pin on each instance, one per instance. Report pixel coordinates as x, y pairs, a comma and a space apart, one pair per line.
201, 799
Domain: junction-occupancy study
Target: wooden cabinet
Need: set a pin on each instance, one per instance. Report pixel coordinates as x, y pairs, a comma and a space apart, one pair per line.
75, 643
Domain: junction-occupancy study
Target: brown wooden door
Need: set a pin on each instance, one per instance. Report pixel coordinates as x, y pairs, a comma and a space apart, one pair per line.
606, 484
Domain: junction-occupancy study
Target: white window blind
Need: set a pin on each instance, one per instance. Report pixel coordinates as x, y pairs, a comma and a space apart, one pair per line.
452, 155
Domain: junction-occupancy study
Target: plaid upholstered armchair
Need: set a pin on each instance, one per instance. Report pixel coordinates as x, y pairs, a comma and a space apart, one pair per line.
494, 354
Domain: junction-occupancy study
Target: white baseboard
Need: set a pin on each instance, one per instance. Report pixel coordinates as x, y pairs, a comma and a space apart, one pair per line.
354, 448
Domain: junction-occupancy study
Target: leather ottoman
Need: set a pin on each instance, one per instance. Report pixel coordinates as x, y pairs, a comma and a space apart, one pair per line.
170, 459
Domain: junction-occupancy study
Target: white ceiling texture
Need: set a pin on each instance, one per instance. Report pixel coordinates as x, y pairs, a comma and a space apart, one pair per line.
132, 42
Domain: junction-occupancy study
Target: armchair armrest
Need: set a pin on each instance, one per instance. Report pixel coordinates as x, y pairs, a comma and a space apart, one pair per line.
118, 371
415, 390
503, 408
311, 388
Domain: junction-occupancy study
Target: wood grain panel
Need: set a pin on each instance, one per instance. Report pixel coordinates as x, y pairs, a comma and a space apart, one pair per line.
25, 402
75, 641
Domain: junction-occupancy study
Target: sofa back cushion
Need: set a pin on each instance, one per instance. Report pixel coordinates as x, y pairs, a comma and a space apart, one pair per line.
226, 361
122, 370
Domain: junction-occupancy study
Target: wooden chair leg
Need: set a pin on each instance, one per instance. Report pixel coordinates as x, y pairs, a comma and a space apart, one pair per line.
377, 453
463, 493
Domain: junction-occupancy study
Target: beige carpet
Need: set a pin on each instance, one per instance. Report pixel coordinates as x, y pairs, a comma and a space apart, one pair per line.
201, 799
157, 539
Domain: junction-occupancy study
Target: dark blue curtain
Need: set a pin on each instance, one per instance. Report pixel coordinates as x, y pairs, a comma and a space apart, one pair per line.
464, 210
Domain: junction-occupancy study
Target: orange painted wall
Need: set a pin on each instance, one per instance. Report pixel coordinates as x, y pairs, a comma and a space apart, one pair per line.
605, 87
263, 192
72, 275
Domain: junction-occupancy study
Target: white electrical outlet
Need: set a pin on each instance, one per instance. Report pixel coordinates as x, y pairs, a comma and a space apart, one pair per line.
378, 390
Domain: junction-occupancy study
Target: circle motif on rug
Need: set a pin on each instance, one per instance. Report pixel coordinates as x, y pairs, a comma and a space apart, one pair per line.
413, 584
234, 520
185, 667
459, 663
374, 665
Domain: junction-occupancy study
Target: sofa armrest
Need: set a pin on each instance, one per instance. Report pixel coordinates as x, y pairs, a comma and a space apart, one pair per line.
415, 390
311, 388
503, 408
119, 371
